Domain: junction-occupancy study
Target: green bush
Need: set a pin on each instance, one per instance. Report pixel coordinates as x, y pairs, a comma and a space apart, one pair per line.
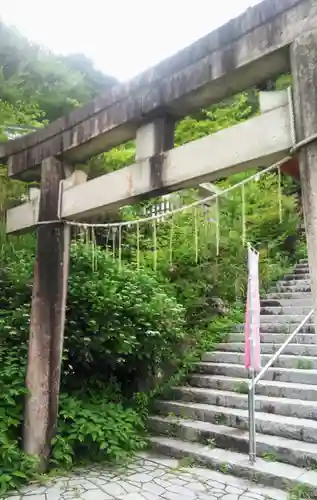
120, 331
120, 323
15, 466
92, 427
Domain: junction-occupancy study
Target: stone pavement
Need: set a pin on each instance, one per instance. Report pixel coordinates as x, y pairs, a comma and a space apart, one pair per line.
149, 477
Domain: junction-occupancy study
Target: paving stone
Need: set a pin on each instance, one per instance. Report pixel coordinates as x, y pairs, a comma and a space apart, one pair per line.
141, 478
153, 488
181, 490
148, 496
217, 494
95, 495
162, 482
133, 496
197, 486
114, 489
234, 490
253, 496
208, 496
41, 496
128, 487
177, 480
147, 480
172, 496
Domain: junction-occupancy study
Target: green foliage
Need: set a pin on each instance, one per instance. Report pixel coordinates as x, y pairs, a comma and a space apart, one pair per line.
301, 492
16, 467
186, 246
213, 119
55, 84
120, 323
92, 427
122, 333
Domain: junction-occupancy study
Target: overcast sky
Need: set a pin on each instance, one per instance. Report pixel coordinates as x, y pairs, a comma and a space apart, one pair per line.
122, 37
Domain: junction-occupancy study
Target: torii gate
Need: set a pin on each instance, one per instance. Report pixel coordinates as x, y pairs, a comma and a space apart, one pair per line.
267, 40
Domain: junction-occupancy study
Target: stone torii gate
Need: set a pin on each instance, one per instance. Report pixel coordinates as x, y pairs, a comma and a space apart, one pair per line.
268, 39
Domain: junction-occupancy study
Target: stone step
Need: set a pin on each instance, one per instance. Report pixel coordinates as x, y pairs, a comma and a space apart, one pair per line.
285, 310
279, 327
303, 261
294, 319
275, 338
287, 302
284, 361
280, 449
266, 404
292, 296
297, 376
302, 269
296, 277
270, 348
290, 287
294, 282
265, 423
280, 475
289, 390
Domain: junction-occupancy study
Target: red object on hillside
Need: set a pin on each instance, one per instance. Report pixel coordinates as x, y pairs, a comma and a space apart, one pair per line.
291, 168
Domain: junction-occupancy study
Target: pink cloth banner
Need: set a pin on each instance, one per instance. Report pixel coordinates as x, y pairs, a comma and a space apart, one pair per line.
252, 349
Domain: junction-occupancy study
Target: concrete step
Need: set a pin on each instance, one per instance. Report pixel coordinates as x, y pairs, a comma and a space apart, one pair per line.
289, 390
294, 319
275, 338
291, 287
270, 348
265, 423
294, 282
279, 475
287, 302
297, 376
297, 277
296, 296
284, 361
302, 269
279, 327
289, 451
285, 310
266, 404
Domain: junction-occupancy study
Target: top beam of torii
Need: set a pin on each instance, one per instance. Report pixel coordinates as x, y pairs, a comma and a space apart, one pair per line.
243, 52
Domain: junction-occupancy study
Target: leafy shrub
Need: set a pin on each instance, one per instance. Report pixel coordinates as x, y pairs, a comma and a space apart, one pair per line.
121, 328
92, 427
120, 323
15, 466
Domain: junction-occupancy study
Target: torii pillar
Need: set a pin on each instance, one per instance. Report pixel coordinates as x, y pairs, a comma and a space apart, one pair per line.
303, 54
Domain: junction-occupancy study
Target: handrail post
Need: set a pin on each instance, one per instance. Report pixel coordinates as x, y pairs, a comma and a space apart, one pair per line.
251, 410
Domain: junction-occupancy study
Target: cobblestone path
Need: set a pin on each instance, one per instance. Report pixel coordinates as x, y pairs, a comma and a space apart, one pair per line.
149, 477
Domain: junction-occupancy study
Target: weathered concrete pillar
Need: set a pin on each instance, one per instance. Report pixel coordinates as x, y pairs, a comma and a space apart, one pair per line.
47, 317
303, 54
153, 139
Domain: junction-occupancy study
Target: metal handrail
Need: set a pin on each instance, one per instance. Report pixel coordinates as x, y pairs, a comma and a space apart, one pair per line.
253, 383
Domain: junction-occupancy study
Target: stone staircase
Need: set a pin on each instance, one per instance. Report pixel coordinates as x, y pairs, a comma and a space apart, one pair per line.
208, 419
